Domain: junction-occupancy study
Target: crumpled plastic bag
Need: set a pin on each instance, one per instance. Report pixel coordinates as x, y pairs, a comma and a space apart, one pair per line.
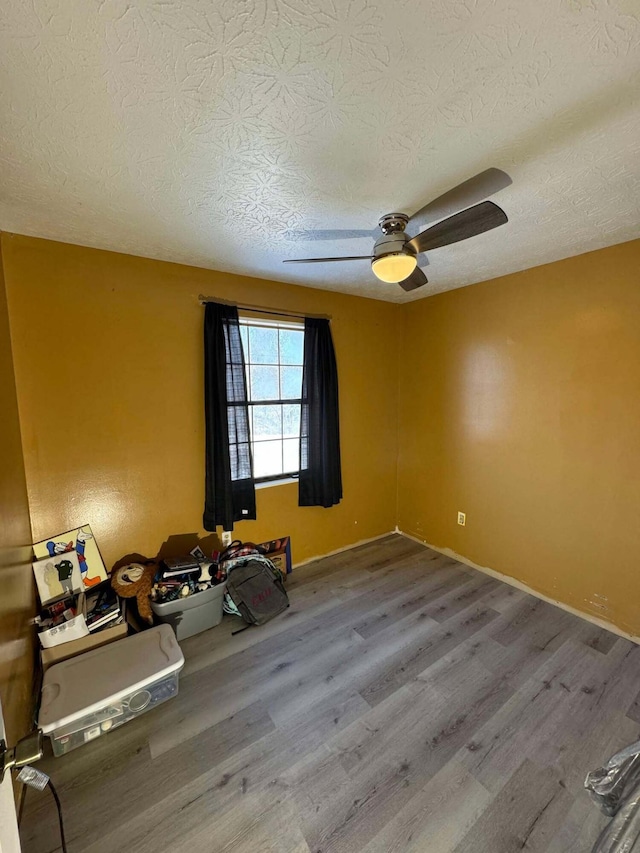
608, 785
622, 833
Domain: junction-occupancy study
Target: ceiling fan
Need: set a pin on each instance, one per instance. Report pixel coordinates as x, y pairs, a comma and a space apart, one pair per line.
395, 252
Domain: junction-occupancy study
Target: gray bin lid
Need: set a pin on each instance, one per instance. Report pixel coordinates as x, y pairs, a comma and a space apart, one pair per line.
88, 682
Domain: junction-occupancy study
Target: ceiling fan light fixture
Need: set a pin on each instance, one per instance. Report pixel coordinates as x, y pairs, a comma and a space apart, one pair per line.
394, 267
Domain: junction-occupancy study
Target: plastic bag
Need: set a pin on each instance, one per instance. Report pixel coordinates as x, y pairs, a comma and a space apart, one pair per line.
622, 834
609, 784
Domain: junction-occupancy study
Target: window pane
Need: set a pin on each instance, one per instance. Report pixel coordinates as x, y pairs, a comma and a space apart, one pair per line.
263, 345
274, 371
267, 458
264, 383
291, 383
291, 455
267, 422
291, 346
244, 336
240, 461
291, 420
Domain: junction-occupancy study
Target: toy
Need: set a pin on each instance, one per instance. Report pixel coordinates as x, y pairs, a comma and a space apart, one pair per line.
65, 570
52, 581
81, 542
136, 581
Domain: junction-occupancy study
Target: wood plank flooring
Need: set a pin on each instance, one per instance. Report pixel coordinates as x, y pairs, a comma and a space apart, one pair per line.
403, 703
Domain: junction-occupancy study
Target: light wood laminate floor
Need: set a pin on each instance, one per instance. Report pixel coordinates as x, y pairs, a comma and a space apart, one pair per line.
403, 703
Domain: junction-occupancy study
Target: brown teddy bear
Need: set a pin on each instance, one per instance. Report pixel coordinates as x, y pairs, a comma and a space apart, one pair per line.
135, 581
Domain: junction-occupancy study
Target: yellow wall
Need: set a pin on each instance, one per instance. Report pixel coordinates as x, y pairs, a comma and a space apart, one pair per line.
16, 583
109, 371
520, 405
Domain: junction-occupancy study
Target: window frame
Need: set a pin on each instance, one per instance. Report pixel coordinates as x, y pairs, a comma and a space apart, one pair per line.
278, 324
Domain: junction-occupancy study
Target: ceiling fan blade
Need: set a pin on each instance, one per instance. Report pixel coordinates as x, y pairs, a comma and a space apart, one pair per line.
301, 235
323, 260
469, 192
476, 220
415, 280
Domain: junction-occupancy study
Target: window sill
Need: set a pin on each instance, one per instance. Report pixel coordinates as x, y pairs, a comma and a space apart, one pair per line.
283, 482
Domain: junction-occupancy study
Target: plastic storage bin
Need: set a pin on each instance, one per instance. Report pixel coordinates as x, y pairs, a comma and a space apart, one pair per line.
191, 615
87, 696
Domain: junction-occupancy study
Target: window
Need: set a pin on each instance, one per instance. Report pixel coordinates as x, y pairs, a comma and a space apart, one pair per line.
276, 422
273, 353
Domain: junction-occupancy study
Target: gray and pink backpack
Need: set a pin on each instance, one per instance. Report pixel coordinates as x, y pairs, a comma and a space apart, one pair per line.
255, 586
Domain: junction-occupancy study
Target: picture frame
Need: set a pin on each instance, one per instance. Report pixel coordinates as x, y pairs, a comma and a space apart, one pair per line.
58, 576
279, 552
82, 542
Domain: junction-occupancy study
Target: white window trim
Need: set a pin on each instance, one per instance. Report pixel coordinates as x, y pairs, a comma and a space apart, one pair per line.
284, 481
246, 320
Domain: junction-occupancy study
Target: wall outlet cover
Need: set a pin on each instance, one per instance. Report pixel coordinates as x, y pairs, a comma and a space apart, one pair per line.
462, 518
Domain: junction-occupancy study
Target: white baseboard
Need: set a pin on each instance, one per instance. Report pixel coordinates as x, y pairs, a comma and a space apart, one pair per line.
344, 548
601, 623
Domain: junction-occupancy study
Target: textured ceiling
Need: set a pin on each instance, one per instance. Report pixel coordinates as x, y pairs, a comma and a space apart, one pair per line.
202, 131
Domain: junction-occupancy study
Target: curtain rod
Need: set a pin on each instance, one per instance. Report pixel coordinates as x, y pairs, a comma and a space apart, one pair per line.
259, 309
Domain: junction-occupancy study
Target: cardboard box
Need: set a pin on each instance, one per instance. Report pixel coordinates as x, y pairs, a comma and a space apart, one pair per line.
279, 552
76, 647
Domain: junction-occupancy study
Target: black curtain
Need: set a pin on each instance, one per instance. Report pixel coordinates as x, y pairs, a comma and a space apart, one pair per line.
229, 488
320, 474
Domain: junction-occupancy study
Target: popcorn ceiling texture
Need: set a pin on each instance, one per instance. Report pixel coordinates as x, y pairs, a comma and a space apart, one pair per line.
202, 132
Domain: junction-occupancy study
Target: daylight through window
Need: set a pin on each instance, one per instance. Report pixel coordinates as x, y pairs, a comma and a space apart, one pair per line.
273, 353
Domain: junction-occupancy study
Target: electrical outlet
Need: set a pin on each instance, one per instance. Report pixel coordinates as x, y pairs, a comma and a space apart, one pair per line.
462, 518
226, 538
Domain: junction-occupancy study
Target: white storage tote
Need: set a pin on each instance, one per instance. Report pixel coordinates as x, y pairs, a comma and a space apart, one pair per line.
87, 696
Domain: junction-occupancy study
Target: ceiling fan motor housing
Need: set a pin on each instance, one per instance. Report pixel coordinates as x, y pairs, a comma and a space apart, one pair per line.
391, 244
392, 223
393, 260
393, 240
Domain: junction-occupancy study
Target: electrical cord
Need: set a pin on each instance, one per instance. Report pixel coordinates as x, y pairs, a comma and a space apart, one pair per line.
33, 778
57, 799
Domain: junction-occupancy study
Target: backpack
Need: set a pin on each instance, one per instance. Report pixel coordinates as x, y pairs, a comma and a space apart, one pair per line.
233, 555
256, 588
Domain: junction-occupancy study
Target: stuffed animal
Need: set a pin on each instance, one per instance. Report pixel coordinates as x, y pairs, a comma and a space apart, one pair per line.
135, 581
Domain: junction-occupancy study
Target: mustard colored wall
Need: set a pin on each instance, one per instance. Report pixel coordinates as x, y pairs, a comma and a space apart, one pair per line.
109, 369
16, 583
520, 405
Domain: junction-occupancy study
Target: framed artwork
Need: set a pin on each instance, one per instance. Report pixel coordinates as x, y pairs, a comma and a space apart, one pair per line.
58, 576
82, 543
279, 552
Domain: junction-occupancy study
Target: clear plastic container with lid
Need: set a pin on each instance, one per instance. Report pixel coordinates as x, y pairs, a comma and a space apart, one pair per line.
89, 695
